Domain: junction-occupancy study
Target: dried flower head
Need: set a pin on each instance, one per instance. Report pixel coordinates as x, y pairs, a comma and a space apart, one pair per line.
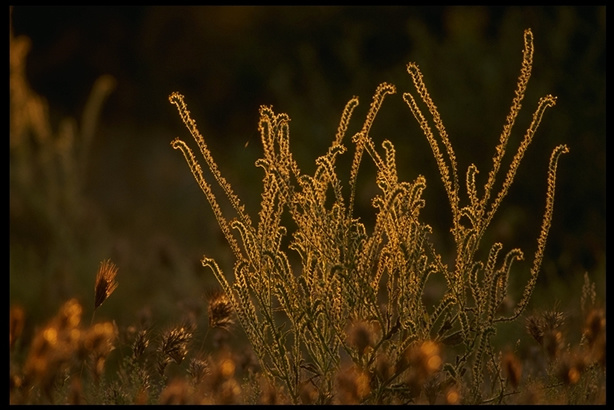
220, 311
513, 368
198, 369
554, 320
546, 330
595, 334
175, 343
594, 327
105, 282
16, 323
361, 335
535, 326
141, 342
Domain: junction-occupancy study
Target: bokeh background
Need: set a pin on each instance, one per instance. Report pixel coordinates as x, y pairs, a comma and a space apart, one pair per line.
137, 203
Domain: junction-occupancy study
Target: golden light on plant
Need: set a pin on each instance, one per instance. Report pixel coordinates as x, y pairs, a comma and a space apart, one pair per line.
299, 320
220, 312
106, 282
345, 293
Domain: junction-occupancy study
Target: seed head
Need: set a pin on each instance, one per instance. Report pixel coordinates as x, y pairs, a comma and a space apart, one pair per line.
535, 327
220, 312
141, 342
513, 368
360, 336
105, 282
175, 343
198, 369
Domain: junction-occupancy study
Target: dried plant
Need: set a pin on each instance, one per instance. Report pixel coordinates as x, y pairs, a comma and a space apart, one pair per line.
16, 323
48, 173
220, 312
62, 347
296, 313
338, 309
174, 346
105, 282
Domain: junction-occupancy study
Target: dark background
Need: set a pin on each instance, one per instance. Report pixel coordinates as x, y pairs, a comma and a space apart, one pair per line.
155, 224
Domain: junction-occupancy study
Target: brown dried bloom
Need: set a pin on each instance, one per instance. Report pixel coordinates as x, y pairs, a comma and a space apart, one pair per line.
595, 334
545, 329
594, 327
535, 327
105, 282
141, 342
552, 322
198, 369
554, 319
16, 323
553, 342
175, 343
513, 368
361, 336
220, 312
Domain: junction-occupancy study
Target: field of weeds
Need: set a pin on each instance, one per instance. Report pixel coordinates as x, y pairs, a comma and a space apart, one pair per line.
379, 205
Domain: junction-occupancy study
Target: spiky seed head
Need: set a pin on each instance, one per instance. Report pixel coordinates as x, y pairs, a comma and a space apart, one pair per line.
554, 319
105, 282
198, 369
535, 326
175, 343
220, 312
141, 342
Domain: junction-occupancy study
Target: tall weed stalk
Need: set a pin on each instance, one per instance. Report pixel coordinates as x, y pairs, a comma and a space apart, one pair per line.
357, 292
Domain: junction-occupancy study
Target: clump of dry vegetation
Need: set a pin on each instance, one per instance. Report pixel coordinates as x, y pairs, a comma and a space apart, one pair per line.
334, 308
309, 268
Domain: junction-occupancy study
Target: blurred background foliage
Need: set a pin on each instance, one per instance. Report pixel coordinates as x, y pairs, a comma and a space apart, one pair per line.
136, 202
